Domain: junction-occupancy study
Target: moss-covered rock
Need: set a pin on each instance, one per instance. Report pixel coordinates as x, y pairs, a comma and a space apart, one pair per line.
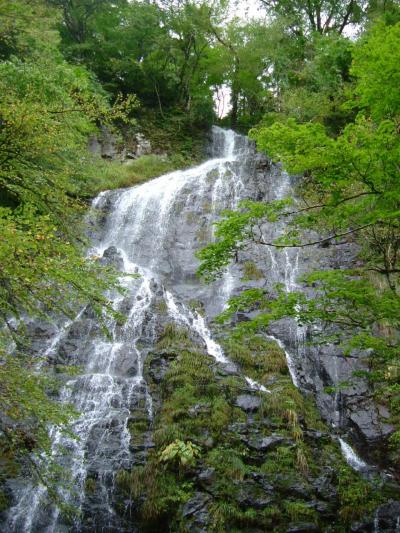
273, 467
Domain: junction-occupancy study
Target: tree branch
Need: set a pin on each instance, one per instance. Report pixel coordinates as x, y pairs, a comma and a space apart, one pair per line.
313, 243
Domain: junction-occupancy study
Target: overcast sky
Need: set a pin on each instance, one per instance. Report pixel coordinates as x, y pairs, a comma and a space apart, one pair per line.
247, 9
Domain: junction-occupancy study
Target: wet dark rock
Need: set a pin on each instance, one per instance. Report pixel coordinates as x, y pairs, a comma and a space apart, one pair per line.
112, 257
387, 516
248, 402
303, 528
262, 480
40, 332
324, 486
207, 477
76, 345
159, 364
362, 527
228, 369
265, 443
196, 513
299, 490
316, 435
250, 495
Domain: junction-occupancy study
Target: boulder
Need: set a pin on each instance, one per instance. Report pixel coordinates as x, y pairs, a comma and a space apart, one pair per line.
248, 402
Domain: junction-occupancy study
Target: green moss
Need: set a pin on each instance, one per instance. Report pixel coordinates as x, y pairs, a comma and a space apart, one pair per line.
197, 305
198, 406
206, 207
358, 497
251, 272
161, 307
173, 335
116, 175
191, 218
299, 511
90, 485
160, 490
202, 235
137, 426
258, 357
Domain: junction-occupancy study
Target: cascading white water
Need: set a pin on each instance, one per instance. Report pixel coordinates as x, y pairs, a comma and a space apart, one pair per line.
284, 267
197, 323
141, 234
152, 230
351, 457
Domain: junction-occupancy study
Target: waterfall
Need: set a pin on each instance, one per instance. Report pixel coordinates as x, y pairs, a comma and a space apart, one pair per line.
352, 458
151, 230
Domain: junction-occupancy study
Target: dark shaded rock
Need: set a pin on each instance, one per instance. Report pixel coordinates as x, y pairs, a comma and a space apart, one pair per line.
196, 514
298, 490
206, 477
196, 504
76, 345
228, 369
266, 443
248, 402
303, 528
316, 435
158, 367
387, 516
262, 480
252, 495
112, 257
324, 486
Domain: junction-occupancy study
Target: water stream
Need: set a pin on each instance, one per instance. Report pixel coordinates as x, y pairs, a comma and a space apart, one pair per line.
141, 234
153, 230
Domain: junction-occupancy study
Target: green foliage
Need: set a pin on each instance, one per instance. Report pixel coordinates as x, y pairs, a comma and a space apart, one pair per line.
251, 272
350, 190
104, 176
184, 453
317, 16
173, 335
376, 65
357, 496
47, 109
158, 52
299, 511
232, 232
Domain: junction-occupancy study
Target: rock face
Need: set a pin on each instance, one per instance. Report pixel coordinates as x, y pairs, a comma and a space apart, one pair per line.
109, 146
266, 461
351, 410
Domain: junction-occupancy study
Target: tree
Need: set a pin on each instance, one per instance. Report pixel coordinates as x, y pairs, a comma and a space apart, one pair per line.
322, 16
47, 109
350, 188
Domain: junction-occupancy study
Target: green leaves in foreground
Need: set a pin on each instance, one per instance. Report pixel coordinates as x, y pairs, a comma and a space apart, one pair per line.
183, 453
233, 232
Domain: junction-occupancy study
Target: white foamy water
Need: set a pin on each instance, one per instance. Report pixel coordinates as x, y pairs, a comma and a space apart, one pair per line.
351, 457
152, 230
142, 227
